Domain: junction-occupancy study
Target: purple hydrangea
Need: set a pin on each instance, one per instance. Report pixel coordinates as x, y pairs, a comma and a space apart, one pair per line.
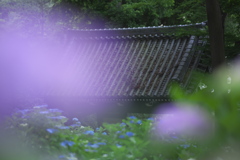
184, 120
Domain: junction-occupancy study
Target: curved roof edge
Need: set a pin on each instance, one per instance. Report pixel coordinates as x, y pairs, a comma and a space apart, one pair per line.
153, 30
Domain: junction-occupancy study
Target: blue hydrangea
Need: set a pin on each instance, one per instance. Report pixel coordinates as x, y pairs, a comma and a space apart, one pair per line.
61, 157
67, 143
121, 136
43, 112
89, 132
131, 121
104, 133
75, 119
41, 106
93, 145
75, 125
24, 111
150, 119
118, 145
63, 127
101, 143
57, 118
133, 117
90, 150
97, 129
185, 146
55, 110
130, 134
118, 132
123, 124
139, 122
51, 130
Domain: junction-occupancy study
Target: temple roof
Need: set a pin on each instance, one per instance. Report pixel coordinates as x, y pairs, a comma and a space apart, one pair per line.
126, 62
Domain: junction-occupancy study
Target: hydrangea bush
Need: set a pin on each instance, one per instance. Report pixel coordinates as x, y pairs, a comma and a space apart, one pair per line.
203, 125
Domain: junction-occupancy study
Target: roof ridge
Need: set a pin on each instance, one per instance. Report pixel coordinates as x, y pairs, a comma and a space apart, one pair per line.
148, 27
129, 32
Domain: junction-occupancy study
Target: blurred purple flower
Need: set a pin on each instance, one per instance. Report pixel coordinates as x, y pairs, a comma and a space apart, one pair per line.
184, 120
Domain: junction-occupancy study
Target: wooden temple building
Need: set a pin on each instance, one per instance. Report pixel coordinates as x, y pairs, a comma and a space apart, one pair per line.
117, 71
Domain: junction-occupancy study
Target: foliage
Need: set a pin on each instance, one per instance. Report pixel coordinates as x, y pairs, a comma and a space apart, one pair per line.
138, 13
148, 139
44, 131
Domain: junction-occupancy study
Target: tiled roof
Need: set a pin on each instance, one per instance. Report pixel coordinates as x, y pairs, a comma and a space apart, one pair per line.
125, 62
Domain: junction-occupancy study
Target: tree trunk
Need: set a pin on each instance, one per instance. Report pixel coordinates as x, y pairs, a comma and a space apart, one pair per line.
216, 33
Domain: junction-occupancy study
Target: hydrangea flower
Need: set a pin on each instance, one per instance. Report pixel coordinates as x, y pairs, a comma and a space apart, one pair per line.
150, 119
118, 132
121, 136
43, 112
24, 111
185, 146
123, 124
67, 143
104, 133
89, 132
41, 106
101, 143
118, 145
130, 134
75, 119
139, 122
133, 117
63, 127
93, 145
55, 110
51, 130
75, 125
90, 150
57, 118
